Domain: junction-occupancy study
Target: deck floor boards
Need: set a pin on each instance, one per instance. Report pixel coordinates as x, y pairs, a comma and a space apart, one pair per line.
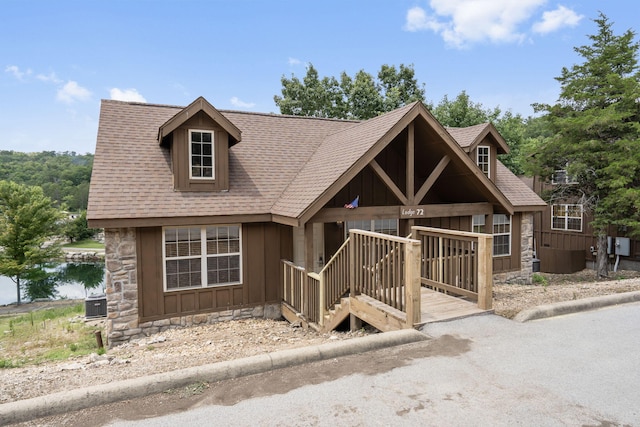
438, 307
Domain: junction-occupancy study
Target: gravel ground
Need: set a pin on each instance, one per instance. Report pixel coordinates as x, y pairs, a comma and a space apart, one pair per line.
181, 348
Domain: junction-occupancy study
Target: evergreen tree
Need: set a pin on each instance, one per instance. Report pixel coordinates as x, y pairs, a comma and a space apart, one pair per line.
27, 219
595, 133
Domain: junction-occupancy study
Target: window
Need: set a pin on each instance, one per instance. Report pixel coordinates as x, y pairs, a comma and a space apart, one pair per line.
501, 235
386, 226
478, 224
562, 177
566, 217
483, 159
197, 257
201, 154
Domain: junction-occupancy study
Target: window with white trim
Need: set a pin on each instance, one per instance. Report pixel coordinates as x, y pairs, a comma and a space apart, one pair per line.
501, 235
483, 159
561, 176
196, 257
201, 154
386, 226
478, 223
566, 217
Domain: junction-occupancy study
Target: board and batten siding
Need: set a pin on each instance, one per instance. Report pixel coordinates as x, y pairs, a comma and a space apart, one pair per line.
263, 246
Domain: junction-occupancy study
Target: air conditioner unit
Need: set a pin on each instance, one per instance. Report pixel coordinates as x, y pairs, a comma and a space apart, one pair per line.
96, 306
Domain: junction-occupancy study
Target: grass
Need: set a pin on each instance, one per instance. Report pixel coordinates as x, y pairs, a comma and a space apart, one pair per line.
45, 335
539, 279
85, 244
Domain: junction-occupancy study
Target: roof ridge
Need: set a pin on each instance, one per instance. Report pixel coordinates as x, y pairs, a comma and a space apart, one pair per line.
408, 107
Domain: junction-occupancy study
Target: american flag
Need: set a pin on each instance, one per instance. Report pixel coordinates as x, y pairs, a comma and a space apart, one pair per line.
353, 204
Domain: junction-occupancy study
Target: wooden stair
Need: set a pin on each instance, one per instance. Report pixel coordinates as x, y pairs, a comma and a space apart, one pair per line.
336, 315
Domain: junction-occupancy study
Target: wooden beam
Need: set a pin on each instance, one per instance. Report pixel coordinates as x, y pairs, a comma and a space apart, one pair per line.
485, 272
435, 174
385, 318
445, 210
388, 182
410, 168
412, 296
343, 214
308, 247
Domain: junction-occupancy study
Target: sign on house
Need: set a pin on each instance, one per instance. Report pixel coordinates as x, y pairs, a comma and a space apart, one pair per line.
407, 212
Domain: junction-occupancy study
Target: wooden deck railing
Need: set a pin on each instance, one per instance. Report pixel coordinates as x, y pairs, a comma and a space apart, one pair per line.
457, 262
302, 291
383, 267
386, 268
335, 277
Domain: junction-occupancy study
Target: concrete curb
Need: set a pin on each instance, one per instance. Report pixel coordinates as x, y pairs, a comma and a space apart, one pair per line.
73, 400
568, 307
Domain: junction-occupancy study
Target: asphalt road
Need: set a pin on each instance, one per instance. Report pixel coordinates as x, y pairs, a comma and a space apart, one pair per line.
580, 369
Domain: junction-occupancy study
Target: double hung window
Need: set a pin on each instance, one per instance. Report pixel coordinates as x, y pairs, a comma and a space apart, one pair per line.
566, 217
501, 235
386, 226
201, 256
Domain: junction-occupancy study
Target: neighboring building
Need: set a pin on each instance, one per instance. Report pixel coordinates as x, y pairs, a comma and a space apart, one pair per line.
199, 206
564, 239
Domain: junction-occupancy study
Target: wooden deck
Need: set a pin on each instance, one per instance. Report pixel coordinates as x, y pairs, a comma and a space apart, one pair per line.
438, 307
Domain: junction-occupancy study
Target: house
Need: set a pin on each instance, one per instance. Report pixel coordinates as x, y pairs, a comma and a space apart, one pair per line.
564, 240
200, 206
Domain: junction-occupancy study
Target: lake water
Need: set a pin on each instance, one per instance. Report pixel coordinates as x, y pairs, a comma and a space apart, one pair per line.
81, 280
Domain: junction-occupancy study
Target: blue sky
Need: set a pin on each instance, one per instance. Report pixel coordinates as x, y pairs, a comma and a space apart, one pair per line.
59, 58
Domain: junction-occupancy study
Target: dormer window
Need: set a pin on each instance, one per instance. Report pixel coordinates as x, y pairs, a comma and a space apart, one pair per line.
483, 159
201, 153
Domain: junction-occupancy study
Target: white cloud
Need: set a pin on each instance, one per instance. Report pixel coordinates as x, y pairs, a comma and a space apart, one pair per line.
294, 61
129, 95
553, 20
236, 102
464, 22
16, 72
51, 77
72, 92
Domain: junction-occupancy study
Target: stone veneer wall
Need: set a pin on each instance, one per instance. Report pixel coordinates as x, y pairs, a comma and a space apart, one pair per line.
522, 276
122, 296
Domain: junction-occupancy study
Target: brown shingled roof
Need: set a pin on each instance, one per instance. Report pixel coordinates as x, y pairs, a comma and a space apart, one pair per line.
283, 165
519, 194
471, 136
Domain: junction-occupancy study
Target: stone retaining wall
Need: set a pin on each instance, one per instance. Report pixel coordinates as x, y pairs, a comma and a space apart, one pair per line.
121, 289
83, 256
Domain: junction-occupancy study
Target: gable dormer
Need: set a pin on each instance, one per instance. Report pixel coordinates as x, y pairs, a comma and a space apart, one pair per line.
483, 143
199, 138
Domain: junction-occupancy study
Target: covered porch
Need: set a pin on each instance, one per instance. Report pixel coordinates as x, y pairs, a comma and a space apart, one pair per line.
393, 282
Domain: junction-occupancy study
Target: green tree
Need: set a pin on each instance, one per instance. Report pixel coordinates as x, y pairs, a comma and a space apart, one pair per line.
462, 112
78, 228
595, 133
359, 97
27, 220
64, 177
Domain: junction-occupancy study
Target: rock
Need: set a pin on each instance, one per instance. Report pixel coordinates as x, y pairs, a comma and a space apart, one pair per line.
157, 339
71, 367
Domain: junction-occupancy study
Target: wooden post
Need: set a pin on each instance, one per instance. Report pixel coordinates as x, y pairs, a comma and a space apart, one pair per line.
485, 272
321, 296
412, 282
352, 265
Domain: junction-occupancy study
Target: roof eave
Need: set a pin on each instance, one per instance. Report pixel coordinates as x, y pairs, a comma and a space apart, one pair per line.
200, 104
